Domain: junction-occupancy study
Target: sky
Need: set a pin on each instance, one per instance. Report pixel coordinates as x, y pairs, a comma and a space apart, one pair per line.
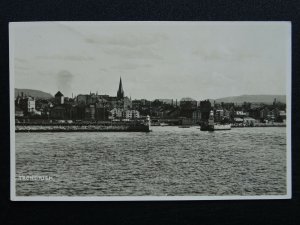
200, 60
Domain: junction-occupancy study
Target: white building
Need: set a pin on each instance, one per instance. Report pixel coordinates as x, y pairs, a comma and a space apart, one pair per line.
116, 113
219, 114
131, 114
249, 121
30, 104
241, 113
128, 114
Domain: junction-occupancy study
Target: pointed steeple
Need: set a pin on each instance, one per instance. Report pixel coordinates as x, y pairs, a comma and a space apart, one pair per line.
120, 93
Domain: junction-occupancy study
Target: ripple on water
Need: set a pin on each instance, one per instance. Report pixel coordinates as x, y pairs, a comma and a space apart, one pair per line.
168, 161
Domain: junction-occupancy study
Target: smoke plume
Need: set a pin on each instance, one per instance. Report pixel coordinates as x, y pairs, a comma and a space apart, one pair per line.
64, 82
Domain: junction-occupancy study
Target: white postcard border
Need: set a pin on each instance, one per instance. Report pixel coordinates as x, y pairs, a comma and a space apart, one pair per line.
13, 196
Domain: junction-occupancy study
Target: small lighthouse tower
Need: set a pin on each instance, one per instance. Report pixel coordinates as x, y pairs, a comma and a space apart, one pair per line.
211, 121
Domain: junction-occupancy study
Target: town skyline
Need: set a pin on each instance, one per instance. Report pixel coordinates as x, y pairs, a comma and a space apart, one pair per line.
133, 98
155, 60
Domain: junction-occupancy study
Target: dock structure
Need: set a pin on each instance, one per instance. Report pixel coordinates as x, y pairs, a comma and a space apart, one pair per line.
105, 126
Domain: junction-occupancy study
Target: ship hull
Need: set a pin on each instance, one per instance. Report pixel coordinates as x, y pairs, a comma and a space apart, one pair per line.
205, 127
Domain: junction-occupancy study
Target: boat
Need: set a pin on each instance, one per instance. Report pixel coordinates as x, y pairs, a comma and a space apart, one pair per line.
222, 126
210, 125
206, 127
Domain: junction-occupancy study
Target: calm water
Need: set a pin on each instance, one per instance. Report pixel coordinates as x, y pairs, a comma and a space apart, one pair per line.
168, 161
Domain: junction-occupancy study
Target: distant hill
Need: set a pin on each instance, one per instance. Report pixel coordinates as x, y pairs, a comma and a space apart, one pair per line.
253, 99
33, 93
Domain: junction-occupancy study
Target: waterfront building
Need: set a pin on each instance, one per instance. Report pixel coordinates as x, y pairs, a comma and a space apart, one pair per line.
58, 112
116, 113
37, 113
59, 98
131, 114
226, 113
238, 120
30, 104
275, 112
264, 113
196, 116
248, 121
102, 103
282, 114
187, 106
43, 105
219, 115
126, 103
90, 112
101, 113
173, 113
114, 102
241, 114
254, 113
61, 110
25, 103
136, 104
87, 99
186, 121
205, 107
141, 104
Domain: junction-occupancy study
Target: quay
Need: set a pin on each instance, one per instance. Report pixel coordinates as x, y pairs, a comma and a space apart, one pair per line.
104, 126
258, 125
76, 128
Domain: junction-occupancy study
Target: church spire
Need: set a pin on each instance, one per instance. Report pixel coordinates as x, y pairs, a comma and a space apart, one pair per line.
120, 93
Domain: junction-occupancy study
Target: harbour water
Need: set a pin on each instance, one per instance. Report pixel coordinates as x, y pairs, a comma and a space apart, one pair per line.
169, 161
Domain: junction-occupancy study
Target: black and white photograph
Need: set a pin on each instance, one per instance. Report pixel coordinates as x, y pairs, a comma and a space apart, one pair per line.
110, 111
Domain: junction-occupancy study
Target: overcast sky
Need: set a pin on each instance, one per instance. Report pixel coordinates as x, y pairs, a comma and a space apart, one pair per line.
155, 59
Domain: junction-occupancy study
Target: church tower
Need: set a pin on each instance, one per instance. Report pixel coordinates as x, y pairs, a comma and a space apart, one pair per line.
120, 93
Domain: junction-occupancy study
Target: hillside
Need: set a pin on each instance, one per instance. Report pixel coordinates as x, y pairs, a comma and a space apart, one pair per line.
268, 99
33, 93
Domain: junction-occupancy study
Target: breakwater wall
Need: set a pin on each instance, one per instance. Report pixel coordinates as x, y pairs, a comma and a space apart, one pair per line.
82, 128
258, 125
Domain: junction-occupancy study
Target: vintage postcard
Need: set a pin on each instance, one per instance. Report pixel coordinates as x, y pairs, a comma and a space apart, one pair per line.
105, 111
